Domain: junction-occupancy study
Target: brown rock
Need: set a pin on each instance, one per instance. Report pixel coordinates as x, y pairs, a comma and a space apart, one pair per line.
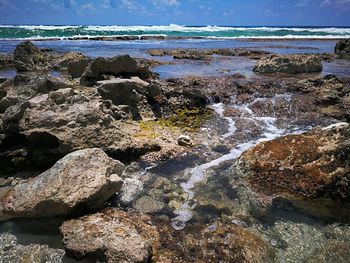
313, 164
111, 235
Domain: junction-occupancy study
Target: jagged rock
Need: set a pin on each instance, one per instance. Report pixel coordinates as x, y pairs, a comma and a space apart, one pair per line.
328, 90
119, 66
112, 236
313, 164
82, 179
61, 95
331, 251
28, 57
342, 47
290, 64
133, 92
29, 85
2, 79
75, 63
11, 252
6, 61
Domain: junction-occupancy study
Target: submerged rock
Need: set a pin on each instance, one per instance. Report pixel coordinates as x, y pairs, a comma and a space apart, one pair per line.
119, 66
313, 164
28, 57
290, 64
11, 252
82, 179
342, 47
6, 61
112, 236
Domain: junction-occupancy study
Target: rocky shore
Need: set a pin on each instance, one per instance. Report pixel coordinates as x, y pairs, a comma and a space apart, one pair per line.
193, 169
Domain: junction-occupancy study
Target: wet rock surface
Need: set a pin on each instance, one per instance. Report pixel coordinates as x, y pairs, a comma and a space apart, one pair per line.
342, 47
111, 236
11, 252
290, 64
313, 164
82, 179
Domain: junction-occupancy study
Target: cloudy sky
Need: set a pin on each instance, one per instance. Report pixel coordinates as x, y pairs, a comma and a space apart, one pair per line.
184, 12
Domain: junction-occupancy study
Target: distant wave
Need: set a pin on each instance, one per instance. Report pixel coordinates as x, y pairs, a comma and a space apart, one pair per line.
63, 32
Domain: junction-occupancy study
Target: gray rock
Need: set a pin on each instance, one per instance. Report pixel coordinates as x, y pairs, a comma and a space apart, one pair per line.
84, 178
290, 64
130, 190
61, 95
11, 252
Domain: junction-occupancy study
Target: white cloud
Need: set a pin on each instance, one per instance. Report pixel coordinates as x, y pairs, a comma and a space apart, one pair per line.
6, 4
88, 7
302, 3
338, 3
166, 2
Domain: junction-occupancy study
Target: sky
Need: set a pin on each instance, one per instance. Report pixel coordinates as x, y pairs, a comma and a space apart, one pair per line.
182, 12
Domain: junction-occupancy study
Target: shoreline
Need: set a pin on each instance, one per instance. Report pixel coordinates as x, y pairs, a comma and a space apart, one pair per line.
164, 38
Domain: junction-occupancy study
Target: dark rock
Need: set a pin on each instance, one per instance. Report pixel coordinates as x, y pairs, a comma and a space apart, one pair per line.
120, 66
28, 57
342, 47
6, 61
290, 64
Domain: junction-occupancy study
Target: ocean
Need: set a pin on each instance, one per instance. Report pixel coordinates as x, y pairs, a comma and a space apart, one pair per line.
21, 32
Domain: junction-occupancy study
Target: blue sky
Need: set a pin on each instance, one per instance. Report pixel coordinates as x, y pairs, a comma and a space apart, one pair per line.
183, 12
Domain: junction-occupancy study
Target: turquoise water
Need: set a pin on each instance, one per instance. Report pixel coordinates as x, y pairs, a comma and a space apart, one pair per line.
42, 32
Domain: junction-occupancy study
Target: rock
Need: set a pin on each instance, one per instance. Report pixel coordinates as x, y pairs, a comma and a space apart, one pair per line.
342, 47
328, 90
82, 179
2, 79
215, 242
119, 66
290, 64
147, 204
28, 57
6, 61
28, 85
75, 63
130, 190
185, 141
11, 252
133, 92
331, 251
112, 236
61, 95
313, 164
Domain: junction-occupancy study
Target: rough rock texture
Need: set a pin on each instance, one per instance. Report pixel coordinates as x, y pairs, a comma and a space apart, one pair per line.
75, 63
290, 64
28, 57
342, 47
111, 235
82, 179
6, 61
217, 242
134, 92
11, 252
120, 66
26, 86
314, 164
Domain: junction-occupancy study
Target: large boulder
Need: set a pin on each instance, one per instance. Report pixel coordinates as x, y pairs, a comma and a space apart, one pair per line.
28, 57
74, 62
342, 47
313, 164
119, 66
112, 236
290, 64
11, 252
82, 179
